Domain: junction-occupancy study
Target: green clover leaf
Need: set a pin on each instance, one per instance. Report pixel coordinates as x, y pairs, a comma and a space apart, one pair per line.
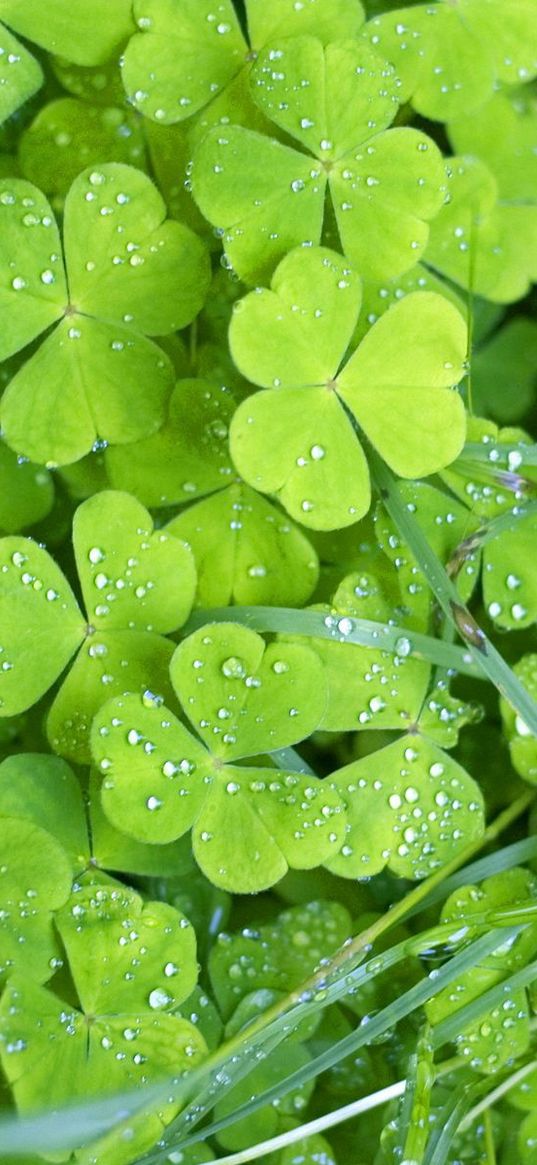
480, 240
451, 57
185, 55
278, 955
376, 177
20, 74
509, 584
120, 1033
270, 1119
367, 688
409, 806
67, 135
503, 1033
89, 35
486, 491
26, 492
249, 824
130, 274
263, 558
35, 880
522, 743
137, 585
503, 372
294, 338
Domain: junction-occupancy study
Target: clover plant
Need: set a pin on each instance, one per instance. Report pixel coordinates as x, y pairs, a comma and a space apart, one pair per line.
268, 531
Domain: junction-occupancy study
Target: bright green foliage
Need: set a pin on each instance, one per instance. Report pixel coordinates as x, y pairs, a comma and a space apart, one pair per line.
20, 73
259, 334
340, 115
277, 956
120, 1031
249, 824
522, 744
451, 56
69, 135
89, 35
136, 283
409, 806
135, 584
294, 338
502, 1034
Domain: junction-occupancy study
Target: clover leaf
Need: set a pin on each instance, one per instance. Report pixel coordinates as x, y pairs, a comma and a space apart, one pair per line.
409, 806
299, 442
504, 1032
480, 240
35, 880
185, 54
367, 688
522, 742
136, 585
509, 584
451, 57
67, 136
270, 1119
128, 274
277, 955
376, 177
20, 74
88, 35
130, 963
243, 698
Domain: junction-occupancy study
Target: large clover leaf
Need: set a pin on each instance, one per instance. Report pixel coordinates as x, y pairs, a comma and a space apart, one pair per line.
130, 964
451, 56
186, 53
88, 34
504, 1032
299, 442
384, 185
522, 742
136, 585
128, 274
409, 805
35, 880
243, 698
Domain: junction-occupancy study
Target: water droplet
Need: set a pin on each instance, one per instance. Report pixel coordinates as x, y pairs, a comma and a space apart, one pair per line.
159, 998
234, 668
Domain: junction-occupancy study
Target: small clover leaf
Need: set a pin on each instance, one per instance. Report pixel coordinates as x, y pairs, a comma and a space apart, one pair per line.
270, 1119
26, 492
367, 688
121, 1032
262, 557
295, 335
409, 806
278, 955
88, 35
480, 240
20, 74
509, 583
129, 274
450, 57
522, 742
67, 135
376, 177
136, 584
249, 824
503, 1033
